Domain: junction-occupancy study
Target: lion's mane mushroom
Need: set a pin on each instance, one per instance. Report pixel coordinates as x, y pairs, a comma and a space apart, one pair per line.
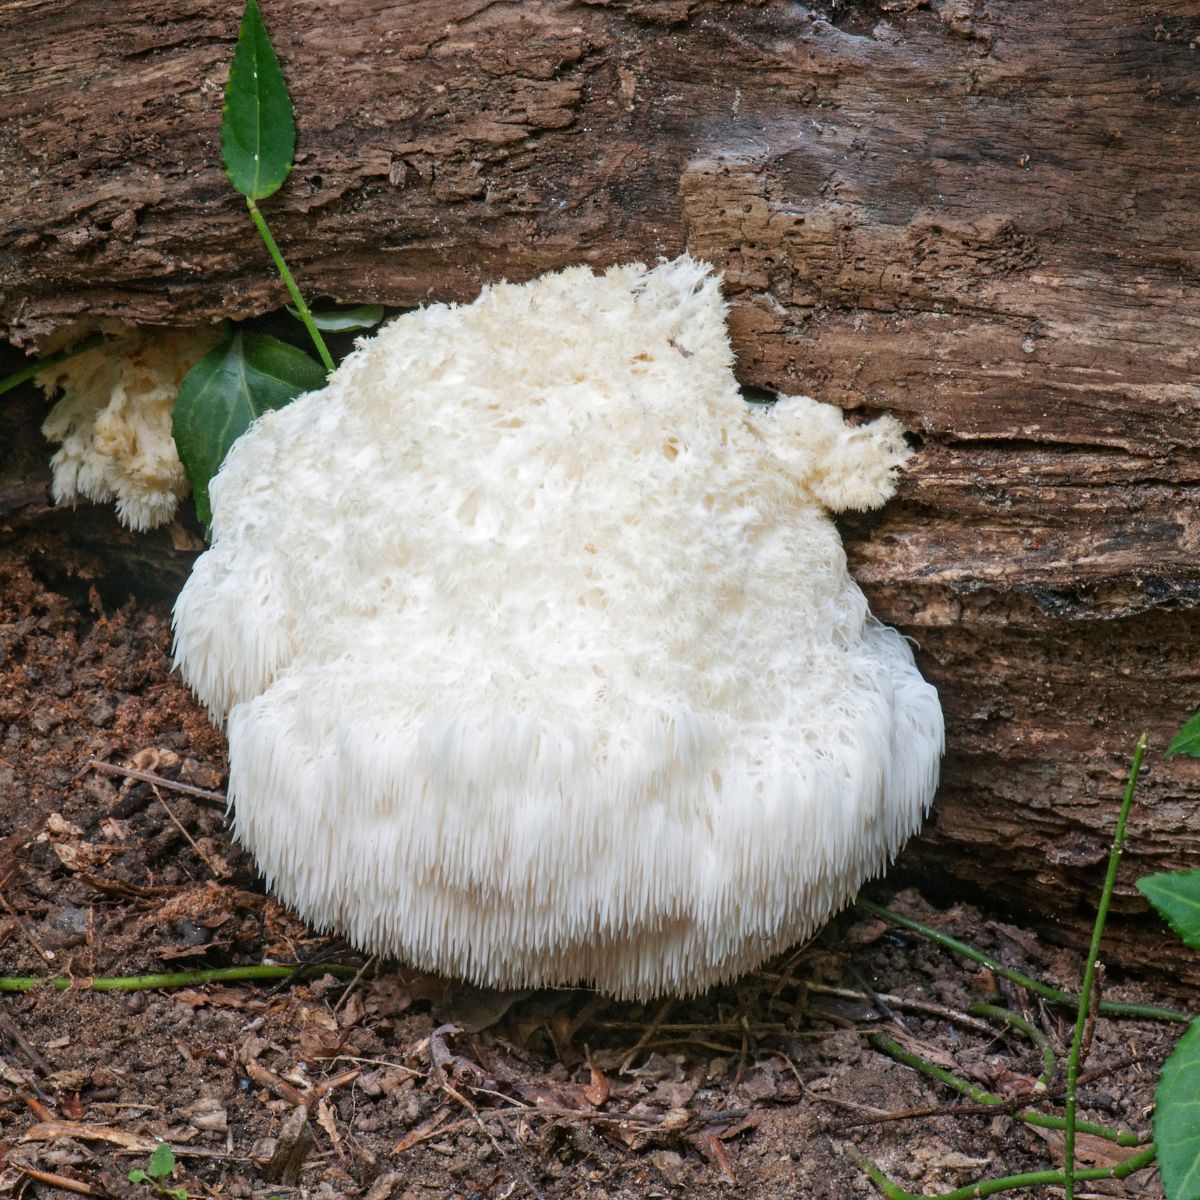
539, 655
113, 421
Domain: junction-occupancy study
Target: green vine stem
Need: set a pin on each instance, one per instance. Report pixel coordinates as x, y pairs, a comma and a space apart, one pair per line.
1108, 1008
978, 1095
1089, 972
173, 979
297, 299
990, 1187
40, 364
993, 1012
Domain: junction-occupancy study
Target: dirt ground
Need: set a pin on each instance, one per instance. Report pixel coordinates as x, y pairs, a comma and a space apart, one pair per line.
411, 1087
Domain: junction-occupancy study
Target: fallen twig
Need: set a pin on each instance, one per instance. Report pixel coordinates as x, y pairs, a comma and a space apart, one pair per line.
95, 764
191, 841
59, 1181
11, 1030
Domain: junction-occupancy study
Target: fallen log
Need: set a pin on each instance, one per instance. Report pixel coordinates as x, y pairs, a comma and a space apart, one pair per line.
980, 217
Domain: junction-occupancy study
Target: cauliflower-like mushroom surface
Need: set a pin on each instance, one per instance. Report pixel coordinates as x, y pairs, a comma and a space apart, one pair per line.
113, 422
538, 651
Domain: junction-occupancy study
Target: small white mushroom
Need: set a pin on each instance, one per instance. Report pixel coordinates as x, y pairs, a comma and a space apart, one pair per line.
538, 651
113, 421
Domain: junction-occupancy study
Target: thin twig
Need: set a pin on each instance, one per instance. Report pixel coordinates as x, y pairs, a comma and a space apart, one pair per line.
913, 1114
46, 955
450, 1090
11, 1030
95, 764
59, 1181
346, 994
651, 1030
191, 841
924, 1007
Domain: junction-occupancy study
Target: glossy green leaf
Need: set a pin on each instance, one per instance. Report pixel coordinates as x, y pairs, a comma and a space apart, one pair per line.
225, 391
1187, 740
258, 132
345, 320
1176, 896
162, 1161
1177, 1118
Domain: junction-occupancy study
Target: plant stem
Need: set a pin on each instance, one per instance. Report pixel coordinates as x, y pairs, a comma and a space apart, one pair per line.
286, 276
1089, 972
133, 983
980, 1095
990, 1187
1108, 1008
40, 364
995, 1013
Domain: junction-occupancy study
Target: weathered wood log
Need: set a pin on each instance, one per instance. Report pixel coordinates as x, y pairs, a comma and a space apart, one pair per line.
980, 216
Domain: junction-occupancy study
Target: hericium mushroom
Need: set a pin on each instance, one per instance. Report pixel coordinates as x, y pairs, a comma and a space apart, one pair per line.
538, 652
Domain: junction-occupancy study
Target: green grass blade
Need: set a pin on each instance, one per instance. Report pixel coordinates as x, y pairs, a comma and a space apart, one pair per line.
1176, 897
258, 131
1177, 1118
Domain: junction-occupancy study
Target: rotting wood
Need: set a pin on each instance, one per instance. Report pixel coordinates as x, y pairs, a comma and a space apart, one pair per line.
978, 215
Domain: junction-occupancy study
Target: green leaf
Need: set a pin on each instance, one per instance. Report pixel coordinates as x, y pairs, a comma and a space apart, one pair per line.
344, 320
258, 132
1177, 1118
225, 391
1187, 740
162, 1161
1176, 896
138, 1176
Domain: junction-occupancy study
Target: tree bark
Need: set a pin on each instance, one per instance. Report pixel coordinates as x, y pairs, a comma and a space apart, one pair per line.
979, 215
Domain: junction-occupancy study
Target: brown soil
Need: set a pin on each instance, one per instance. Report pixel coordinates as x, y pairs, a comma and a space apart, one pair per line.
416, 1088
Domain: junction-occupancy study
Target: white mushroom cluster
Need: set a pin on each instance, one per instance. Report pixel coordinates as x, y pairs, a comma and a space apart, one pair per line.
538, 652
113, 422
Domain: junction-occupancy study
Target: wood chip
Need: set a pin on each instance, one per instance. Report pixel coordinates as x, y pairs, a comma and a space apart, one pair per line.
291, 1149
53, 1131
422, 1132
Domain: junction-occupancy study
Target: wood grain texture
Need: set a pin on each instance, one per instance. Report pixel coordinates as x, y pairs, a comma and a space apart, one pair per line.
979, 215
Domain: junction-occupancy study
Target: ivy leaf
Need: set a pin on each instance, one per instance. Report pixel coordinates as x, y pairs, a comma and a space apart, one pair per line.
258, 132
1187, 740
162, 1161
345, 320
225, 391
1176, 1125
1176, 897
